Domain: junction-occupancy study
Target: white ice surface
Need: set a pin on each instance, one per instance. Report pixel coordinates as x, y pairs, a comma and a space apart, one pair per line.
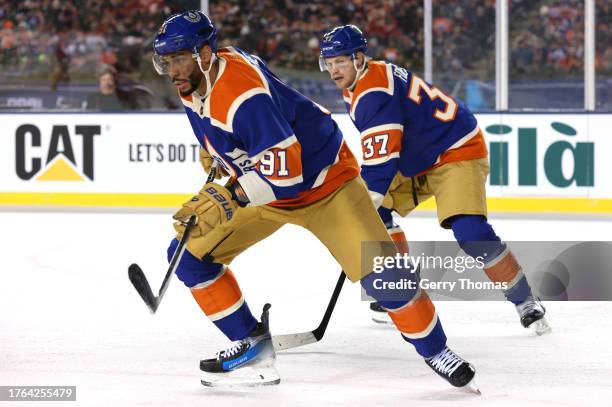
69, 316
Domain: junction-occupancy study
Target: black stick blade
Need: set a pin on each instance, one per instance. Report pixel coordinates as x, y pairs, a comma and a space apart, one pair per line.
140, 283
320, 330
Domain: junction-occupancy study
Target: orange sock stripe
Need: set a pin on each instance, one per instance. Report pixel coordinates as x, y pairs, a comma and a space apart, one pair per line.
505, 270
219, 296
399, 238
416, 317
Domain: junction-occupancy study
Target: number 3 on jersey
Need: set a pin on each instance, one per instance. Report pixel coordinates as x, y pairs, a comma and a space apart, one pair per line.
414, 93
375, 146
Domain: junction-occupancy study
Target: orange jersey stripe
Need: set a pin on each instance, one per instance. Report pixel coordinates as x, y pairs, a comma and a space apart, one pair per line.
338, 174
416, 317
237, 78
220, 295
473, 149
505, 270
375, 77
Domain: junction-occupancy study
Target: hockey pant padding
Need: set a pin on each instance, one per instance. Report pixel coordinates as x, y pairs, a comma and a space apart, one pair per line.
411, 310
217, 292
478, 239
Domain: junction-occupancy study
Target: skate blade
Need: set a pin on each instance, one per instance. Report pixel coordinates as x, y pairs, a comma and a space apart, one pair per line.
471, 388
243, 377
541, 327
381, 318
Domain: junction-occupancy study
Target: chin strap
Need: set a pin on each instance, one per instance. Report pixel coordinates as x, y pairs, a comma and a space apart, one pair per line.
206, 72
360, 72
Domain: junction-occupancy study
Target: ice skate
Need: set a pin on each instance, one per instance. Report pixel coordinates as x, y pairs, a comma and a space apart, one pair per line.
455, 370
379, 314
531, 311
248, 362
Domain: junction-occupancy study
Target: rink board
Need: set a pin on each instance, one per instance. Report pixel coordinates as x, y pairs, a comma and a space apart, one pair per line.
540, 163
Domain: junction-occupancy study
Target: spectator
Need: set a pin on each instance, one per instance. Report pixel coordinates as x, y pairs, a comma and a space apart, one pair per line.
109, 96
61, 63
67, 40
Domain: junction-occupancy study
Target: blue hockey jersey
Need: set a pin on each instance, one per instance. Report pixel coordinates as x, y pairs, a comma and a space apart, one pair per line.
407, 125
283, 149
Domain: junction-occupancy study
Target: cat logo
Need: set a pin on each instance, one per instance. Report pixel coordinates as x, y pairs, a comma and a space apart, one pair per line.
59, 154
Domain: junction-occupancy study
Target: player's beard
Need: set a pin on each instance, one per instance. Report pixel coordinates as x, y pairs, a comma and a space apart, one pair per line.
194, 81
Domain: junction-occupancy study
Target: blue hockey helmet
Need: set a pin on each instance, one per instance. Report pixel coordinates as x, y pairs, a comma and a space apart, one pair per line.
342, 40
187, 31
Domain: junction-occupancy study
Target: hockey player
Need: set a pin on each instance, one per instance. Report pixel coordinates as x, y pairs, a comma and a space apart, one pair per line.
287, 163
418, 142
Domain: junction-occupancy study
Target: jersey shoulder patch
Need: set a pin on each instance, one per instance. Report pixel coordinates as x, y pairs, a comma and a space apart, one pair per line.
237, 81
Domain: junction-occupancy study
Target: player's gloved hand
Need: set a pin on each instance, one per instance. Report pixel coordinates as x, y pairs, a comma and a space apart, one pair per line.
212, 206
207, 161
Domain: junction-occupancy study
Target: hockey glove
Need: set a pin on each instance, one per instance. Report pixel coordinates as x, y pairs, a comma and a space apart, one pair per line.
206, 160
212, 206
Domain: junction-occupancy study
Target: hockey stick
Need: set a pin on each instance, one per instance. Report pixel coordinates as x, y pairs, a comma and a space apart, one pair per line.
288, 341
138, 278
281, 342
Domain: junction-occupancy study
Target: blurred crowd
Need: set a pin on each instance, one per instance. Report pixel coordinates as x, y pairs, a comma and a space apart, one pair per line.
75, 41
463, 38
51, 42
76, 36
548, 39
287, 32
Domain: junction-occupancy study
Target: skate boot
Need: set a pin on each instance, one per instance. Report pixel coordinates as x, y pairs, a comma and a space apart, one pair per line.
531, 311
248, 362
453, 369
379, 314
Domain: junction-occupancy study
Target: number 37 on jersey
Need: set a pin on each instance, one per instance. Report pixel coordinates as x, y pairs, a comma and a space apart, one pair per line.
383, 143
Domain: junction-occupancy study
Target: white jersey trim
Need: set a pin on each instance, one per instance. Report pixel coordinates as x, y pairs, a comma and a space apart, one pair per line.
390, 89
377, 198
424, 332
229, 126
256, 189
461, 141
516, 279
188, 104
381, 128
283, 144
416, 296
498, 258
210, 282
234, 108
228, 311
323, 174
394, 230
286, 182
